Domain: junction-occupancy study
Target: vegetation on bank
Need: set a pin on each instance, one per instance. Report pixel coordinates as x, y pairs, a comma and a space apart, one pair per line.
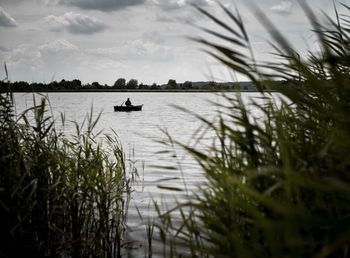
171, 86
277, 185
60, 195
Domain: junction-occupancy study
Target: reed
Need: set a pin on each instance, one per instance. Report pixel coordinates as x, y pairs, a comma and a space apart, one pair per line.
60, 196
277, 185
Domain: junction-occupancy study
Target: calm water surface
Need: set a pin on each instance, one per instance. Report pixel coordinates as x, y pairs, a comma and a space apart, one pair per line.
139, 132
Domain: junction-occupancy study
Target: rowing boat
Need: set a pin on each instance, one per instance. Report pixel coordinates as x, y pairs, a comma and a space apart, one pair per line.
127, 108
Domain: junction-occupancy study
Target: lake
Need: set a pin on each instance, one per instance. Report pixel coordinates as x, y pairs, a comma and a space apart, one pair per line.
140, 133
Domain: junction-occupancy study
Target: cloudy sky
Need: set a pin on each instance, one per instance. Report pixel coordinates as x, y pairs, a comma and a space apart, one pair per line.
103, 40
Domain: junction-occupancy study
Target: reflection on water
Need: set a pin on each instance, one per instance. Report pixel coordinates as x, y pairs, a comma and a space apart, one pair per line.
140, 132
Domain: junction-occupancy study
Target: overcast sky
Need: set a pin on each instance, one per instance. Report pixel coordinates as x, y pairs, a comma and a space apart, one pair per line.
103, 40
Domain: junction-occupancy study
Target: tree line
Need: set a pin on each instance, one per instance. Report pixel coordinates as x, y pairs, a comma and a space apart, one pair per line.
120, 85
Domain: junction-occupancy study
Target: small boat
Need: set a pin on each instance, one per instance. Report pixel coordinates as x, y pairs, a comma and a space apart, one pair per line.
128, 108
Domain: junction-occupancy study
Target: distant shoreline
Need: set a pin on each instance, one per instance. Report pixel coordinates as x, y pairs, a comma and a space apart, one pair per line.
76, 86
131, 90
122, 86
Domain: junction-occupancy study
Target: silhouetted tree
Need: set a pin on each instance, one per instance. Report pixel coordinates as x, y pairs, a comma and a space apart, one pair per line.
155, 86
76, 83
212, 84
143, 86
172, 84
187, 85
132, 84
21, 86
96, 85
236, 86
119, 84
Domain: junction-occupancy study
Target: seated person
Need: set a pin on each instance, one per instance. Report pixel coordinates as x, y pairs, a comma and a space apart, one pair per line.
128, 103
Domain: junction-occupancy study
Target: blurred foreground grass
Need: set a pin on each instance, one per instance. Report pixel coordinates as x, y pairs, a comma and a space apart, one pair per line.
280, 186
60, 196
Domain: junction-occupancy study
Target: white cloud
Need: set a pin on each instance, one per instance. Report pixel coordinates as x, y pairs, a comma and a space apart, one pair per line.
58, 46
34, 57
169, 5
181, 11
153, 36
66, 60
284, 7
29, 61
22, 57
6, 20
75, 23
138, 49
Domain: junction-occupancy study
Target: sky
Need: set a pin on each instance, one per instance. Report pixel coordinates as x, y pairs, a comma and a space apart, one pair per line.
103, 40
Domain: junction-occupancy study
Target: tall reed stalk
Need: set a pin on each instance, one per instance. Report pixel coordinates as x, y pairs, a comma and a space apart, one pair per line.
277, 185
60, 196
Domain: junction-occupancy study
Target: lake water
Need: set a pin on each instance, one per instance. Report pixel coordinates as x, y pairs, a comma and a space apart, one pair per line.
139, 132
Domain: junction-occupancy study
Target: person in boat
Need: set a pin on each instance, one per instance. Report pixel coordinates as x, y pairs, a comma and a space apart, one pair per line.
128, 103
